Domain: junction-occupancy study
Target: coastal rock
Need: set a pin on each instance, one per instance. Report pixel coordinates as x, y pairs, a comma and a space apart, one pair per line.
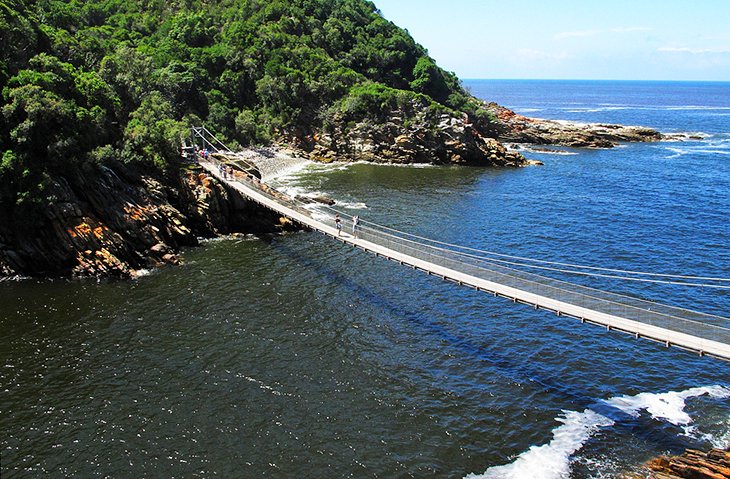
111, 222
416, 133
517, 128
692, 464
315, 199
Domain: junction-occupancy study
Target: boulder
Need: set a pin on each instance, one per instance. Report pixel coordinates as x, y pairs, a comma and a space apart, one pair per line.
693, 464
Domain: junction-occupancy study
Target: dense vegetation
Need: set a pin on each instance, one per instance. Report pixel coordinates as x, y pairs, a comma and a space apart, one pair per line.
98, 81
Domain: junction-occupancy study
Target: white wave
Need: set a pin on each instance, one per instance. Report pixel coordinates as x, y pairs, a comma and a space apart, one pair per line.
570, 123
548, 151
705, 148
286, 171
712, 152
141, 273
409, 165
527, 110
677, 152
722, 441
352, 206
553, 460
667, 406
597, 109
295, 172
696, 107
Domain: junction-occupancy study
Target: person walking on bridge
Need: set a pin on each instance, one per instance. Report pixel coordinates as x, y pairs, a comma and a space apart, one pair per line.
356, 226
338, 224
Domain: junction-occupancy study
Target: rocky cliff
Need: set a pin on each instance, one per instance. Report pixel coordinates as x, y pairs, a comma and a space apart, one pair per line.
419, 134
113, 221
414, 134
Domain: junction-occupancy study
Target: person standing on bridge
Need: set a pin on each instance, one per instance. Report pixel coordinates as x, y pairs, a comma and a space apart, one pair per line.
338, 224
356, 226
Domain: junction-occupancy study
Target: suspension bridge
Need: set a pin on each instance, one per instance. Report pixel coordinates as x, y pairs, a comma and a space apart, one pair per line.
495, 273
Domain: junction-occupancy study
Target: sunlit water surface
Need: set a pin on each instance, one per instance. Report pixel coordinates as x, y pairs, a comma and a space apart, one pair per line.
295, 356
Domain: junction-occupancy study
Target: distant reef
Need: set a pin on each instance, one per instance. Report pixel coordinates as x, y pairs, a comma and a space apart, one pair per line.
521, 129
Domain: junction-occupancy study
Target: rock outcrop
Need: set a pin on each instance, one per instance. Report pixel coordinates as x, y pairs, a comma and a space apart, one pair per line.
111, 222
521, 129
693, 464
420, 135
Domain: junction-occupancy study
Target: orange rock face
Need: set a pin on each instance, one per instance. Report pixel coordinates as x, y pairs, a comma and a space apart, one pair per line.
693, 464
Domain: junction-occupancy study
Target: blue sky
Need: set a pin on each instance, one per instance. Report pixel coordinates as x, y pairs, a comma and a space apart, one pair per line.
564, 39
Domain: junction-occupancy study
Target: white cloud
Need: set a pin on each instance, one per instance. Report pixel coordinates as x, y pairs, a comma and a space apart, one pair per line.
693, 51
591, 33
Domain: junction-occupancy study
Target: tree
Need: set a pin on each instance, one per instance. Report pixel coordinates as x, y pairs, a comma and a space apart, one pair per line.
152, 133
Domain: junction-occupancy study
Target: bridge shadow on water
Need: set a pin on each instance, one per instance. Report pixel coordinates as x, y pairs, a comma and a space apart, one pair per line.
662, 435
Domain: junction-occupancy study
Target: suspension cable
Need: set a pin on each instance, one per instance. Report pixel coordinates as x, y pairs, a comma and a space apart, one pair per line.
399, 233
468, 252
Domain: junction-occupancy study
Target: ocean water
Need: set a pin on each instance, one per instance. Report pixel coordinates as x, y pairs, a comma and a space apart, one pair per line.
295, 356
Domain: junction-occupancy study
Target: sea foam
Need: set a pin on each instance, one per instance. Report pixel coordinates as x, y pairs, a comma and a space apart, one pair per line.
553, 460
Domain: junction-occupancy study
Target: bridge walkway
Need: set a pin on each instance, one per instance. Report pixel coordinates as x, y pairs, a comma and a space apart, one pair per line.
699, 332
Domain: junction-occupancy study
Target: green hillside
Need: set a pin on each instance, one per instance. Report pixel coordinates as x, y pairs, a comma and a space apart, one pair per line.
95, 81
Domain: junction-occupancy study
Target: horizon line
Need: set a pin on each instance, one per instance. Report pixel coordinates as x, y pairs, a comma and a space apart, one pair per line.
594, 79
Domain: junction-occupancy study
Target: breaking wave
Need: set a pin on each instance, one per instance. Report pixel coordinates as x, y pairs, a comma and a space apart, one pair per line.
553, 460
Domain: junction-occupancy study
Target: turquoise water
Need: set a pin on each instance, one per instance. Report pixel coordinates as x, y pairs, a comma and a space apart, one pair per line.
294, 356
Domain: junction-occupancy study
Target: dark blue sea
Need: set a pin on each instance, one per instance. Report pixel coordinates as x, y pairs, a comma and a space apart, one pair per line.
294, 356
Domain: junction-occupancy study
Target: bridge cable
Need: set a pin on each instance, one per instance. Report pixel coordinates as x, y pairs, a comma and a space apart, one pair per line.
453, 249
595, 268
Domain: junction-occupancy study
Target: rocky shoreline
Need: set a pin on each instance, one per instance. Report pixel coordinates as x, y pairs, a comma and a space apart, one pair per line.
521, 129
414, 134
111, 222
692, 464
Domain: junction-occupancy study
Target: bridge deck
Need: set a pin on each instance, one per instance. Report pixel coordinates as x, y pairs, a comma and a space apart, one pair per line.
702, 333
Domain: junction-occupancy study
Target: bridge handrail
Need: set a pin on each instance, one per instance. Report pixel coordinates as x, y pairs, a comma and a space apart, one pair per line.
490, 261
616, 296
536, 280
543, 281
456, 247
